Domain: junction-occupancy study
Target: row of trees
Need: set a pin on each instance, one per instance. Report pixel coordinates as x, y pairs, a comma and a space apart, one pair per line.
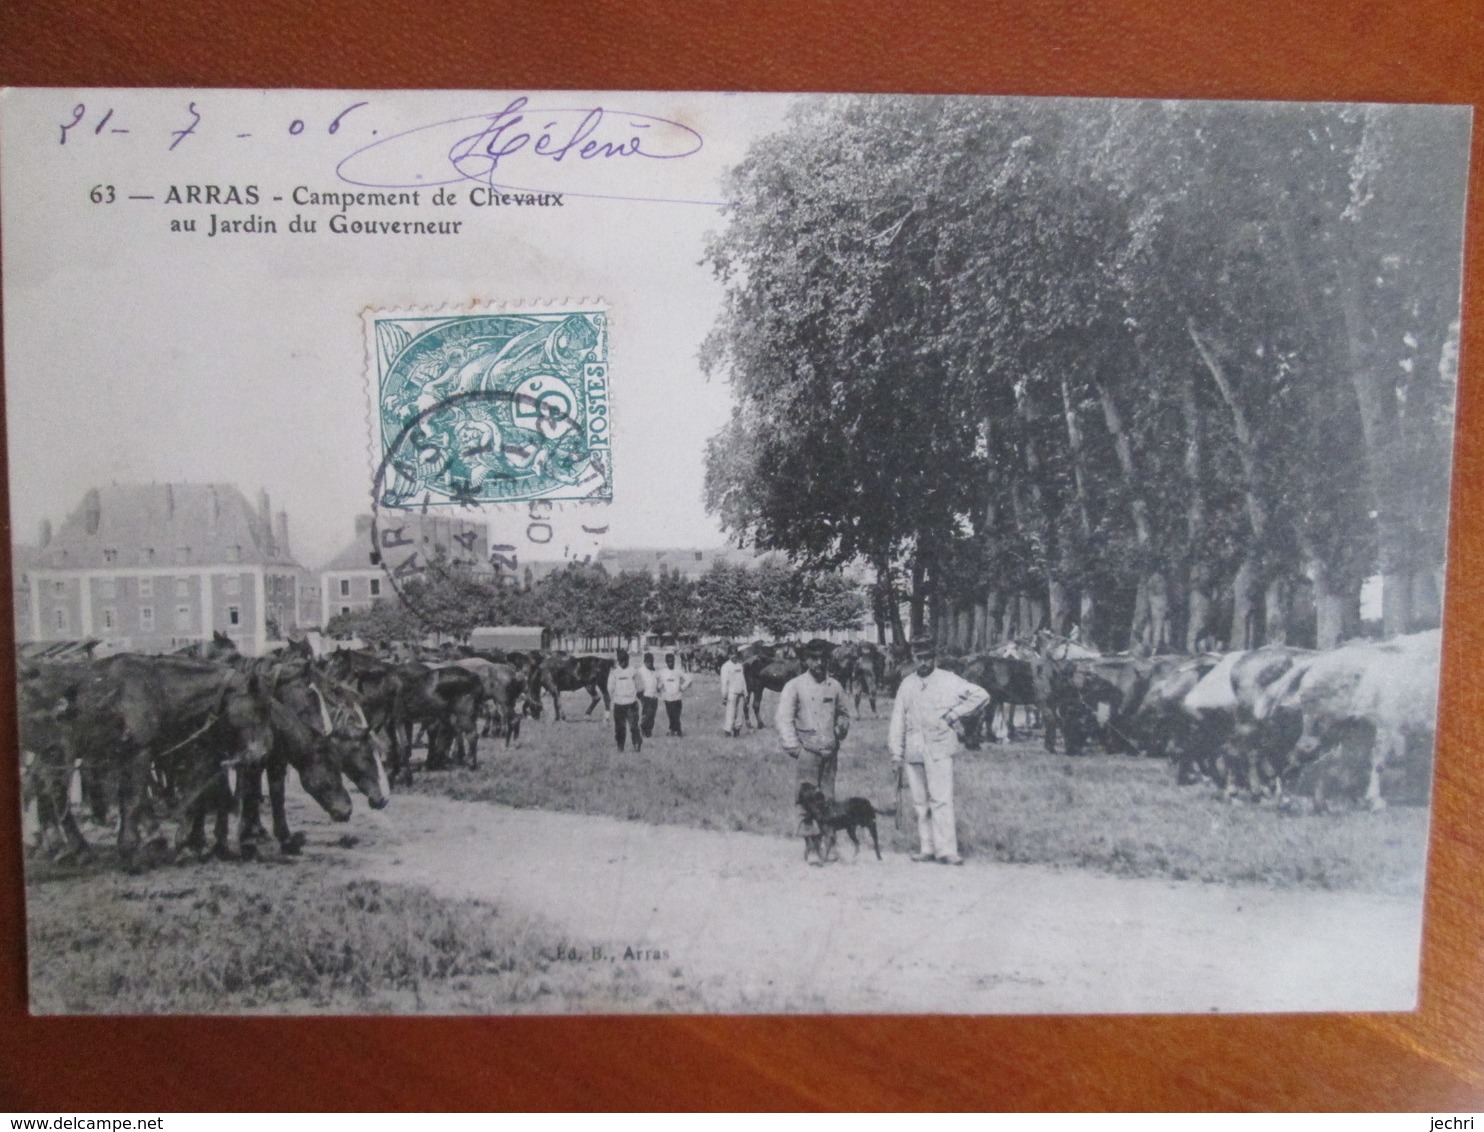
584, 600
1173, 372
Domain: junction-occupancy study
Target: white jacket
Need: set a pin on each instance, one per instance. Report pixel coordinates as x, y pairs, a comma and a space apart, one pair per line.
925, 711
733, 680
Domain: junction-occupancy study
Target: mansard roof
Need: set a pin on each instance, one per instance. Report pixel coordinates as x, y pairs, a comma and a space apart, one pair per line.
190, 525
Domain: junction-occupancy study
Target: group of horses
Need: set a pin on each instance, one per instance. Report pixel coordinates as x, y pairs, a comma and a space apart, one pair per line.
1256, 723
191, 737
151, 737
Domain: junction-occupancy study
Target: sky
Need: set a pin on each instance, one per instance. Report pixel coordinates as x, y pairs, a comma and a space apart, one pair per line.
137, 354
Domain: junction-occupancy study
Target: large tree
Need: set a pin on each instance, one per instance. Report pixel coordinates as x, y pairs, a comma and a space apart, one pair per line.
1165, 369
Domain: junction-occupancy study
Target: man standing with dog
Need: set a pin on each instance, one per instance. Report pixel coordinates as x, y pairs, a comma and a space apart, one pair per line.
813, 720
924, 735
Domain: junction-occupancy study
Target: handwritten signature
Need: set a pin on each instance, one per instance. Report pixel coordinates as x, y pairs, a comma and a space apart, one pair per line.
517, 143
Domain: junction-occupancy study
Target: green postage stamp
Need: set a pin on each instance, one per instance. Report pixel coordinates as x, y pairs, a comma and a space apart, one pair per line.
490, 406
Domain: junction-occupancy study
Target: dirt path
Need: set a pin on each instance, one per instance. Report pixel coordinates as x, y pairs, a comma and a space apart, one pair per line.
755, 930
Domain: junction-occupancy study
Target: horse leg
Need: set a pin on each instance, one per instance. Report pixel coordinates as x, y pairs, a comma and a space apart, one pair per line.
134, 770
249, 805
289, 843
471, 736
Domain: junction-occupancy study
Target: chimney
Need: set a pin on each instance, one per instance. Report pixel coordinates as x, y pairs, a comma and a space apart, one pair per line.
265, 518
45, 533
281, 533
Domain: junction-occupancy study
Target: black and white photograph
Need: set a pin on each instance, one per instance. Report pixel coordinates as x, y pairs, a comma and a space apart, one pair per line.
634, 552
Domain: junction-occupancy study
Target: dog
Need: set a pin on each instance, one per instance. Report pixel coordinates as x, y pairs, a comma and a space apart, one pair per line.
824, 820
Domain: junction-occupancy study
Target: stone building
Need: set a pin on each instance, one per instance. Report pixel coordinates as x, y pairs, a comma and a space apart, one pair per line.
400, 545
154, 567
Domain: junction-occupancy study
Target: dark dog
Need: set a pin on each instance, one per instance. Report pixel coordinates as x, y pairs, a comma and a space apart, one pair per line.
823, 821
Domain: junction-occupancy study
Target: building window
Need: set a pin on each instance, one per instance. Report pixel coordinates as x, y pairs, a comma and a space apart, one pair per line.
234, 585
107, 589
345, 609
60, 620
700, 555
182, 616
146, 587
110, 618
234, 615
344, 587
147, 618
236, 552
182, 588
375, 587
110, 555
59, 587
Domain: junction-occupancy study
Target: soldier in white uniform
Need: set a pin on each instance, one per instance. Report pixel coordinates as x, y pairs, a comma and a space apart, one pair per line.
673, 683
649, 695
812, 721
733, 692
623, 690
924, 734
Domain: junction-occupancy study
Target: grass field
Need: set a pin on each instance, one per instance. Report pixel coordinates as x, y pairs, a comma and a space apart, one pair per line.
297, 938
307, 936
1016, 803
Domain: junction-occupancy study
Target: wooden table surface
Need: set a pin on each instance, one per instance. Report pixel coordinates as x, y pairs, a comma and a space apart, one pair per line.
1421, 51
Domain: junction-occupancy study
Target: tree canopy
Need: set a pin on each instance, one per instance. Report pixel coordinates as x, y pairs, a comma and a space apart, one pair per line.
586, 601
1177, 372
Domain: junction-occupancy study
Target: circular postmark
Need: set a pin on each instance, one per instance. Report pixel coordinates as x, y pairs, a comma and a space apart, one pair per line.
478, 415
493, 408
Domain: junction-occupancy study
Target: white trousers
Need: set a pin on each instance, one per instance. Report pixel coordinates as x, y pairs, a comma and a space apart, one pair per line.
734, 711
931, 784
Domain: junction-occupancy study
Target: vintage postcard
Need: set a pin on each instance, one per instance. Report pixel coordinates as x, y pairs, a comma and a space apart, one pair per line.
530, 552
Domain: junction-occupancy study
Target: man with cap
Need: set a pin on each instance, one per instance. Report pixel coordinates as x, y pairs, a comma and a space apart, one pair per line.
924, 733
812, 720
623, 690
733, 692
673, 683
649, 695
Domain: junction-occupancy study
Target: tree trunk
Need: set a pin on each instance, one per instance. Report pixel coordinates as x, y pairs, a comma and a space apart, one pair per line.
898, 631
1034, 615
1087, 618
1079, 473
917, 599
993, 605
1397, 613
1159, 613
1427, 600
1197, 619
1276, 610
1010, 620
1125, 452
1056, 607
1138, 630
1244, 608
939, 627
1257, 513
